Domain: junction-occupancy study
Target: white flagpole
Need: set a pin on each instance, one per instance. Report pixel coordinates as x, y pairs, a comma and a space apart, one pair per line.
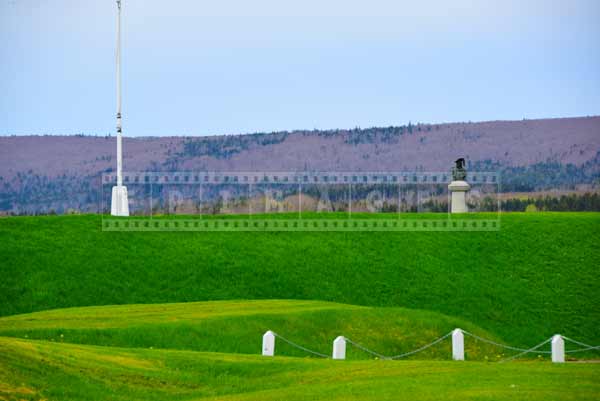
120, 202
119, 126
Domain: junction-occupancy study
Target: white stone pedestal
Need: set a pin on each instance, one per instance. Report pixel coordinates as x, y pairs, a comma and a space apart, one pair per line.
458, 189
119, 205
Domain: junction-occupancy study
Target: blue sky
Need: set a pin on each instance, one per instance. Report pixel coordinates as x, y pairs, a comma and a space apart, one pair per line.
192, 68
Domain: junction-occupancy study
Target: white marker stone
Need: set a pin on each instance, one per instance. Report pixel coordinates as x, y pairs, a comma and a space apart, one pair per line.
268, 345
458, 345
339, 348
558, 349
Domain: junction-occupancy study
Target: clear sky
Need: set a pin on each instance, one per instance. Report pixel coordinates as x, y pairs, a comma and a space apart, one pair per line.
200, 68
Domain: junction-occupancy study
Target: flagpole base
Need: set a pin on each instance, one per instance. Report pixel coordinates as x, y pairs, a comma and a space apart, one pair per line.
119, 205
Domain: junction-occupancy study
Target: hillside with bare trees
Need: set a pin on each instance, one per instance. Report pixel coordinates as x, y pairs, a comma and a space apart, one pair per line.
58, 173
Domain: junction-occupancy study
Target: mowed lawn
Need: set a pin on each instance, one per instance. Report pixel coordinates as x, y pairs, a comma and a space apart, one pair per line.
536, 276
37, 370
238, 326
133, 328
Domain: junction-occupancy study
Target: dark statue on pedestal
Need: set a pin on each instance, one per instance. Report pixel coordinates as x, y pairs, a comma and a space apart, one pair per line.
459, 173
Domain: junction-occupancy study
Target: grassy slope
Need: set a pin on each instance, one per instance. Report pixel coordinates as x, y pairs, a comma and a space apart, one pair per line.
34, 370
237, 327
533, 278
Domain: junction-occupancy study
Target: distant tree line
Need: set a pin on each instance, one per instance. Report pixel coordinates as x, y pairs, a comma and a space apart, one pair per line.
588, 202
225, 147
383, 135
229, 145
29, 194
542, 175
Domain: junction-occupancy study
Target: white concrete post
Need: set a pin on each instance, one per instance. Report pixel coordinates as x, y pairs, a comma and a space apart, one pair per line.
268, 346
458, 345
558, 349
339, 348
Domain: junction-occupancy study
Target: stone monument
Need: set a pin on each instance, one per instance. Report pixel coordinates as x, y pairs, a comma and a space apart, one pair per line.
459, 187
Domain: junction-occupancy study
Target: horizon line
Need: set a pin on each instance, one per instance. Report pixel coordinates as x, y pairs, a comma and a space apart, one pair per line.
111, 134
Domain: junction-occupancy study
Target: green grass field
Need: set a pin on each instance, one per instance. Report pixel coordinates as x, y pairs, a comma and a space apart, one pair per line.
237, 327
533, 278
134, 328
35, 370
